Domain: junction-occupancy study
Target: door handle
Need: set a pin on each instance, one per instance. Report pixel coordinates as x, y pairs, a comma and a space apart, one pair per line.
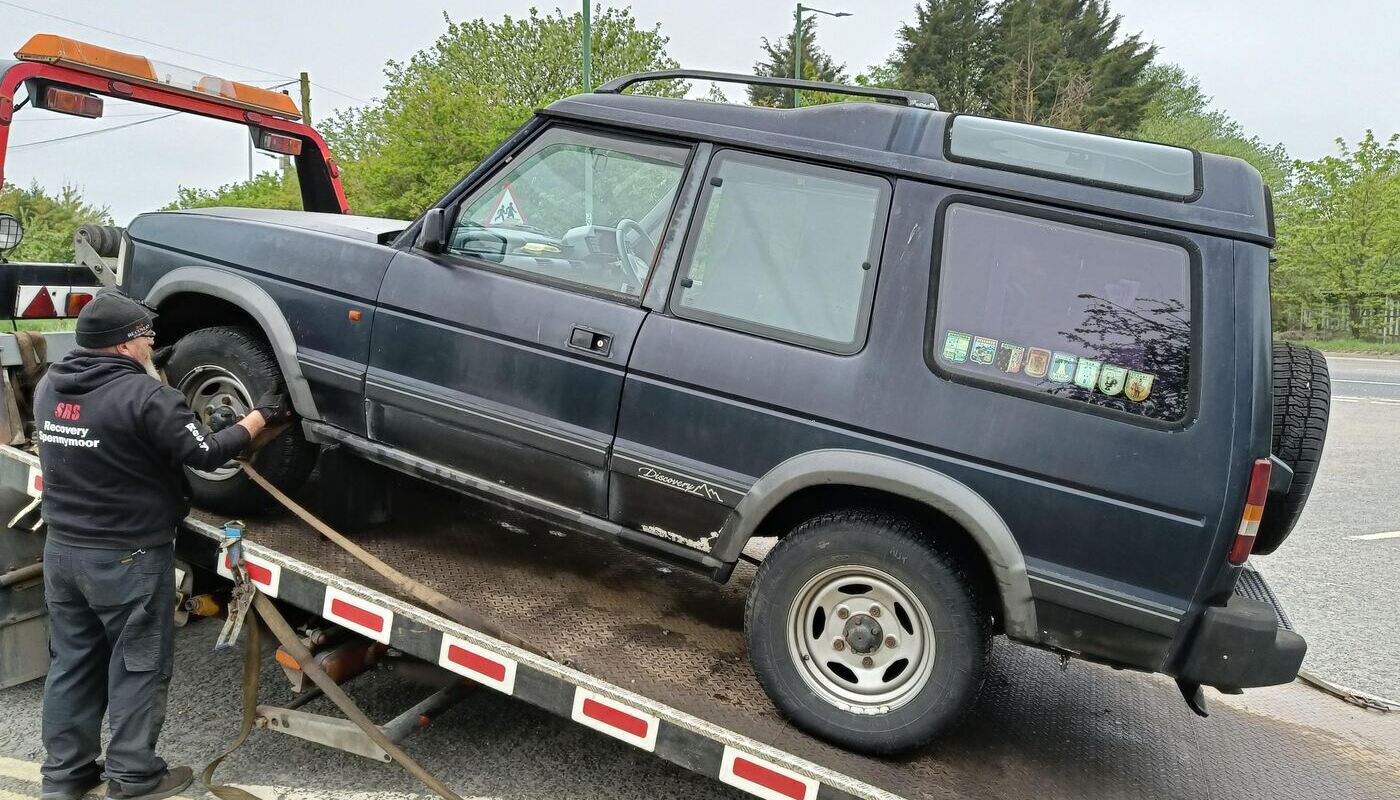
589, 340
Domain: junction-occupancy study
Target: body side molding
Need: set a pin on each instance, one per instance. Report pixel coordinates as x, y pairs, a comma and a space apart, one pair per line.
912, 481
242, 292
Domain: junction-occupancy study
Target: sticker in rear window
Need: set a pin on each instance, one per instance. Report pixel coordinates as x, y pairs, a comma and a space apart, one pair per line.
1062, 367
1086, 374
984, 350
1139, 385
1010, 357
1111, 379
955, 346
1037, 362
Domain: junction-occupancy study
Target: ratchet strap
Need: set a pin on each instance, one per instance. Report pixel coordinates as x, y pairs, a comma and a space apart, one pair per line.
427, 595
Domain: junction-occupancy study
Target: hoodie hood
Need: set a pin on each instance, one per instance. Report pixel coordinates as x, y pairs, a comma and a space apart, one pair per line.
82, 371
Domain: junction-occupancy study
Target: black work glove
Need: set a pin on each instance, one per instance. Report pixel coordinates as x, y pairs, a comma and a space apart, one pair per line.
276, 408
161, 356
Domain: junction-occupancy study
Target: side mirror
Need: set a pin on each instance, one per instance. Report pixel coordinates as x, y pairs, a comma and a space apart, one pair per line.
432, 232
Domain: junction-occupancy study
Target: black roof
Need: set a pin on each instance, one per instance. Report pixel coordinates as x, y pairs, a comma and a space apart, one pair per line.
909, 141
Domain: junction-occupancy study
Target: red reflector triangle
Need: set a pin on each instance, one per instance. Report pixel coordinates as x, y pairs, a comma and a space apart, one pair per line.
41, 305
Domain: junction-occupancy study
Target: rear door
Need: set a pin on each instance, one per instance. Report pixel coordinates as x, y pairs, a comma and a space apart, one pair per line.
504, 356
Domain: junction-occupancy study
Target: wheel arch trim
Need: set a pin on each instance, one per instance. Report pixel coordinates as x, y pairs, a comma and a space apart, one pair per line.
912, 481
258, 304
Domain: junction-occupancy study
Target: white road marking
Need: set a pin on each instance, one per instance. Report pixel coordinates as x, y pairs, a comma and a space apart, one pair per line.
1369, 383
28, 772
1371, 537
1362, 358
1385, 401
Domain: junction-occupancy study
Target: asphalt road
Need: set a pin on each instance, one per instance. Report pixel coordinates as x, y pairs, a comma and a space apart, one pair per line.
1335, 575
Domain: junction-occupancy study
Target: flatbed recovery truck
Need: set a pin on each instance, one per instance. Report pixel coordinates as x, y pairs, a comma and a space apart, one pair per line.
656, 660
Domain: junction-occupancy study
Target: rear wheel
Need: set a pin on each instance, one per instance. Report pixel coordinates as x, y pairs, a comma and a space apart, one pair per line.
1302, 402
865, 634
222, 371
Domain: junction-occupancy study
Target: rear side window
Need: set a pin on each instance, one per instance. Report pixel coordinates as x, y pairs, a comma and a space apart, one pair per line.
1052, 308
785, 250
1143, 167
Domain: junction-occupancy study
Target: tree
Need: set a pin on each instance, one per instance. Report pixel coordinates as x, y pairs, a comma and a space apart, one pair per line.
817, 65
452, 103
49, 220
1180, 114
946, 52
1340, 229
1062, 63
267, 190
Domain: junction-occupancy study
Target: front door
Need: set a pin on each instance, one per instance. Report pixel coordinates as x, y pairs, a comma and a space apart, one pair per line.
504, 356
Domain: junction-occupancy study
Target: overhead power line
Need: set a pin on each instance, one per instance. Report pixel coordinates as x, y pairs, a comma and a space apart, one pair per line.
76, 119
172, 48
91, 133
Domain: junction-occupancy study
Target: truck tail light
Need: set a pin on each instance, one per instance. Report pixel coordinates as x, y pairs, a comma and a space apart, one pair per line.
277, 143
79, 104
1253, 511
76, 301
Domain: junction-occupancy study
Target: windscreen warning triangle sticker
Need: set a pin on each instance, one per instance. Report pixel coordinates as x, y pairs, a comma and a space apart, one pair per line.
506, 211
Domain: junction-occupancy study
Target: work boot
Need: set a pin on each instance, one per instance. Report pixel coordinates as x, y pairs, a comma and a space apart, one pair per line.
73, 793
176, 780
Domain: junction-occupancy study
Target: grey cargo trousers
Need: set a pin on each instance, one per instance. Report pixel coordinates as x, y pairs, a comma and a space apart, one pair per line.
111, 648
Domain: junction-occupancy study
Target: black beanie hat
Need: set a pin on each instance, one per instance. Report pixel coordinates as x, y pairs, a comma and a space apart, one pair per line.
112, 318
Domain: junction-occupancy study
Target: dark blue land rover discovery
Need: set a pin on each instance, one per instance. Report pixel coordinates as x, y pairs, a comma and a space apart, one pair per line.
977, 377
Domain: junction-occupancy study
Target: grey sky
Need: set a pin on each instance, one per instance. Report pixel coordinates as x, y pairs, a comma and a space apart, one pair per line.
1301, 73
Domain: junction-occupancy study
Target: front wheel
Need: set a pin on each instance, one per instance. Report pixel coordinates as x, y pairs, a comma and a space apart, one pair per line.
229, 367
866, 635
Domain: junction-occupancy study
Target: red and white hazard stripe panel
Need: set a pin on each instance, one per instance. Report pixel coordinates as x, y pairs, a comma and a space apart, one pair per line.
482, 666
763, 778
360, 616
616, 719
267, 575
51, 302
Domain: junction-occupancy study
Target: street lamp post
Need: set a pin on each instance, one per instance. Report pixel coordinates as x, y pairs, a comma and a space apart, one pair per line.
797, 45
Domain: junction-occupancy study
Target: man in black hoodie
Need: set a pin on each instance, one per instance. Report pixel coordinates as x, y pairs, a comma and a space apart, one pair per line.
113, 444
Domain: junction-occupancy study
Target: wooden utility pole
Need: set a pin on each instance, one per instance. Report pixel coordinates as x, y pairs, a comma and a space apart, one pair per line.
306, 98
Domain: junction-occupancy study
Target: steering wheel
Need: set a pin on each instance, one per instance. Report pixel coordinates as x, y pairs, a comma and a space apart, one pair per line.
625, 255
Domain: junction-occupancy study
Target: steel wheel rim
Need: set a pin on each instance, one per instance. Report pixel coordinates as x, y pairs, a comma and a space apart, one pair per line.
205, 389
856, 675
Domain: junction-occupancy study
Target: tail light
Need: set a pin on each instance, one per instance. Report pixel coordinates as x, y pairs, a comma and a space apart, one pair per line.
76, 301
1253, 511
277, 143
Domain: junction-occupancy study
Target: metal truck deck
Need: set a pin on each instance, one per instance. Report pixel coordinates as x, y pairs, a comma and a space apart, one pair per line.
654, 656
672, 642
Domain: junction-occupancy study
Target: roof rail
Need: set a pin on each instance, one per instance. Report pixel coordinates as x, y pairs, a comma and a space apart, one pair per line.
915, 99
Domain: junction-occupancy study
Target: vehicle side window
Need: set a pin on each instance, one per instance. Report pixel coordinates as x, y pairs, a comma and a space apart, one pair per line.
576, 207
1054, 308
786, 250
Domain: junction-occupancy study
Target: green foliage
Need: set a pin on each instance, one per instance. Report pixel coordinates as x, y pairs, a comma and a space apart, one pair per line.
49, 221
1054, 62
817, 65
267, 190
946, 51
1180, 114
1339, 230
452, 103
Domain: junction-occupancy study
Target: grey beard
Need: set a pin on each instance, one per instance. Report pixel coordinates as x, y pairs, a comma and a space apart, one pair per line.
152, 371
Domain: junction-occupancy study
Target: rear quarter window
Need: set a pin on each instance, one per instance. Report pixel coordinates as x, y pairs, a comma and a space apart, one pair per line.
1082, 315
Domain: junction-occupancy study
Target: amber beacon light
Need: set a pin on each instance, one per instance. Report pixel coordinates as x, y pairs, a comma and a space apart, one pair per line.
51, 49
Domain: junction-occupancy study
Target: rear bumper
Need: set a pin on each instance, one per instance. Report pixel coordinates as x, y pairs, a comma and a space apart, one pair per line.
1246, 642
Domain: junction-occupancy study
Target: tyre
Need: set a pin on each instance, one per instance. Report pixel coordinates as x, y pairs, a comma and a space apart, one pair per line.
1302, 401
233, 366
865, 634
